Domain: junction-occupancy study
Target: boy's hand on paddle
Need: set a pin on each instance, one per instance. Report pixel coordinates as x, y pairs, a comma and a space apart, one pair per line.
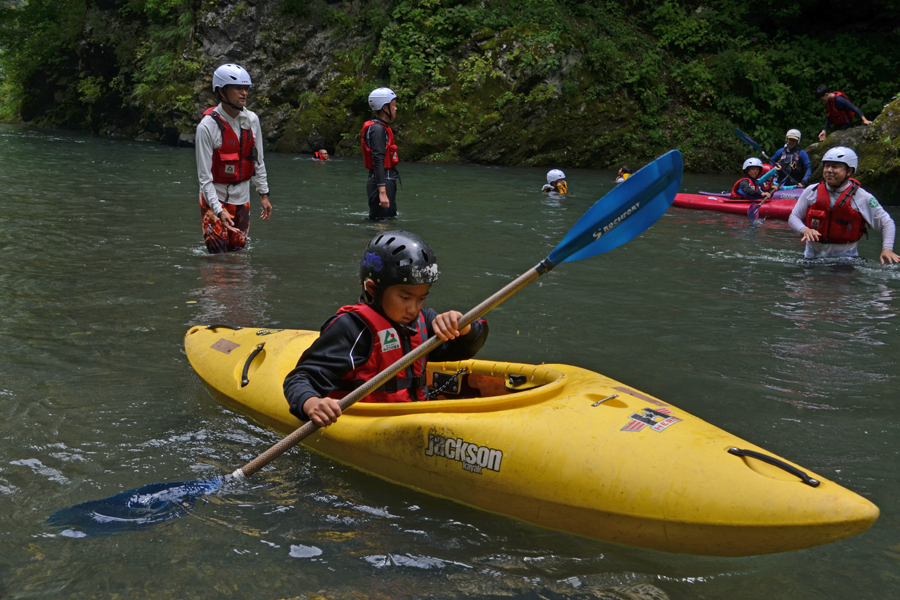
446, 325
809, 235
890, 256
322, 411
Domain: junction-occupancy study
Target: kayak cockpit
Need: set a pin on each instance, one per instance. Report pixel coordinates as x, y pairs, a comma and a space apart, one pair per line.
476, 386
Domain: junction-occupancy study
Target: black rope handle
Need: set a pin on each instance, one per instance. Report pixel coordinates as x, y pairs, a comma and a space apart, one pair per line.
776, 463
244, 378
225, 325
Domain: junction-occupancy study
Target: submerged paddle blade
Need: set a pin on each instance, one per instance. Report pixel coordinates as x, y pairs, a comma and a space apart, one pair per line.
135, 509
753, 212
625, 212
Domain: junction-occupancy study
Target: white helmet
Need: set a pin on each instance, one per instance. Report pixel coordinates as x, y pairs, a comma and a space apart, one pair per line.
230, 74
842, 154
378, 98
555, 175
793, 133
751, 162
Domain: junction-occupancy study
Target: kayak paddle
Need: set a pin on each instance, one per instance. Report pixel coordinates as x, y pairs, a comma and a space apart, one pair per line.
753, 211
620, 216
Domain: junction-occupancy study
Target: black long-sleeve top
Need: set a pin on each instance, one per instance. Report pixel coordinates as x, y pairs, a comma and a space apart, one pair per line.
346, 342
377, 139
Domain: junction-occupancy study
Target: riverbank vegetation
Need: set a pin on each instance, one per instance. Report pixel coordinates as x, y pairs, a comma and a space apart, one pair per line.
562, 82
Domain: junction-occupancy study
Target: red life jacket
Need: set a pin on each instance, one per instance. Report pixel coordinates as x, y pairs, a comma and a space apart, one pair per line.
736, 190
235, 160
318, 156
838, 118
390, 151
841, 224
387, 348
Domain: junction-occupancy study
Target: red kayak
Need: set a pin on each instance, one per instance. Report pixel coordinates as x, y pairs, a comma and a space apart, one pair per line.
779, 207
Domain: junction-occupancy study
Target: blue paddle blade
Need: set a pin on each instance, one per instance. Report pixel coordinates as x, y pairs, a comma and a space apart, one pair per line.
625, 212
135, 509
747, 139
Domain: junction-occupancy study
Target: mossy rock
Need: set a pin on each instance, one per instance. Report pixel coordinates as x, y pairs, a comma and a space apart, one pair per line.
878, 147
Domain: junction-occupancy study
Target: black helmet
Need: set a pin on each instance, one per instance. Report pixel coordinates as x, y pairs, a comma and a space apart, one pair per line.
396, 257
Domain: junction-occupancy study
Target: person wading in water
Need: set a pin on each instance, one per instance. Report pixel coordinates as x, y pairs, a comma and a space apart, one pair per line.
380, 155
229, 154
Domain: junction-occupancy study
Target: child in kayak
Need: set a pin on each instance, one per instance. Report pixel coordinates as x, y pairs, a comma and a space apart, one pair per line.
752, 186
363, 339
556, 182
831, 217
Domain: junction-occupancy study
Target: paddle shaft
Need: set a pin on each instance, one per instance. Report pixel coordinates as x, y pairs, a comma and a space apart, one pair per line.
376, 382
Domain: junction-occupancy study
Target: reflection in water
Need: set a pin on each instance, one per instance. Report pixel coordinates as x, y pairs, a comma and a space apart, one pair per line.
841, 315
233, 291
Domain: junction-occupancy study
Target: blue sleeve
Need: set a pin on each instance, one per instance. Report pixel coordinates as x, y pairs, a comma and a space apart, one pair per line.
767, 176
804, 158
777, 155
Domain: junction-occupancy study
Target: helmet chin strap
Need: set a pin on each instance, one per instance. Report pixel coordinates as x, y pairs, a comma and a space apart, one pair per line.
224, 99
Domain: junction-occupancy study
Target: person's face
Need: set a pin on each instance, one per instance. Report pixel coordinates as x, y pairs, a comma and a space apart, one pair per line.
827, 97
753, 172
324, 154
237, 94
791, 143
836, 173
402, 303
391, 109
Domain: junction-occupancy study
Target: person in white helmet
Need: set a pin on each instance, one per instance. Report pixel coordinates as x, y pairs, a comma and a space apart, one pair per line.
751, 186
556, 182
229, 154
831, 217
794, 167
380, 155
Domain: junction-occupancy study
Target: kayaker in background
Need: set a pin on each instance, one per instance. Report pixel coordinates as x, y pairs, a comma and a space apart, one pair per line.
840, 111
380, 155
556, 182
623, 174
229, 155
363, 339
792, 161
750, 187
832, 216
321, 155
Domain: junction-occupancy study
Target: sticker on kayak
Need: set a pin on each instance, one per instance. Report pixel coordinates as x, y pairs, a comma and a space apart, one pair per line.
656, 419
225, 346
268, 331
473, 457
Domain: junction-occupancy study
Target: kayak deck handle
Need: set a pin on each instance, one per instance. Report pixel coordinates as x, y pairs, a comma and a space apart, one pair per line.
245, 379
599, 402
776, 463
225, 325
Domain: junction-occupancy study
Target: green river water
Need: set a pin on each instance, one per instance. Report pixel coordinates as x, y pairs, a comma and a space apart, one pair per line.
103, 269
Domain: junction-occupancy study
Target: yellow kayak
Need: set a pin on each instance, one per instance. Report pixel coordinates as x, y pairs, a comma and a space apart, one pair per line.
554, 445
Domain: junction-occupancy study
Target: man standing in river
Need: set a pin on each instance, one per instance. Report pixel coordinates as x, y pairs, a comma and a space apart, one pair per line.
380, 155
229, 154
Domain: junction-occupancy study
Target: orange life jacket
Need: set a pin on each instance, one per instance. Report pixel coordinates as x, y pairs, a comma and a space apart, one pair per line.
235, 160
841, 224
838, 118
387, 348
390, 151
736, 190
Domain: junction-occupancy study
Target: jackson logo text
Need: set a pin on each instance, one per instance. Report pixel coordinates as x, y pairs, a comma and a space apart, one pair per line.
473, 457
